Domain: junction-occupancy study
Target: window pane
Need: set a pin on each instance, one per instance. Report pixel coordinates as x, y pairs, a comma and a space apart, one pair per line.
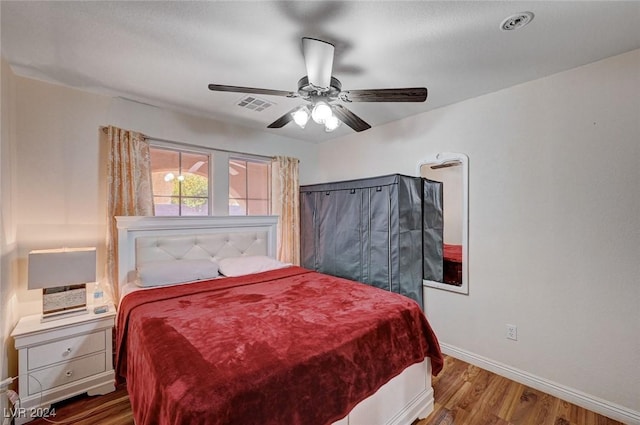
165, 167
195, 206
195, 164
258, 207
259, 180
192, 185
237, 207
237, 179
166, 205
177, 179
249, 187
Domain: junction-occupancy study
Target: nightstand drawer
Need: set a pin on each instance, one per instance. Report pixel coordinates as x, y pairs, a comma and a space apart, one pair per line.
66, 373
65, 349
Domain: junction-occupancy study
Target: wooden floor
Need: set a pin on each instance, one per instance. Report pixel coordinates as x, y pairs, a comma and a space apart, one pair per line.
468, 395
464, 395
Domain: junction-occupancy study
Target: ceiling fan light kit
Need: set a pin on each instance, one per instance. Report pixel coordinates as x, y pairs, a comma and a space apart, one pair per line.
331, 123
322, 91
301, 116
322, 114
321, 111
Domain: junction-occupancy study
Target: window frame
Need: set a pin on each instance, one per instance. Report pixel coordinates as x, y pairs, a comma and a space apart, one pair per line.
188, 150
218, 204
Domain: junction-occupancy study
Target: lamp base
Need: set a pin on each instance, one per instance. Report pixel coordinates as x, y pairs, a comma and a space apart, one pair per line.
63, 315
63, 301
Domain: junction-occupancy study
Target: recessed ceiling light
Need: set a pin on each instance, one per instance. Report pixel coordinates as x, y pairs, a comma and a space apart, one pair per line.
516, 21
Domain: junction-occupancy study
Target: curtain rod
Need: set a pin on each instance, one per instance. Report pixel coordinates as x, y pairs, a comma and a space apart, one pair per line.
190, 145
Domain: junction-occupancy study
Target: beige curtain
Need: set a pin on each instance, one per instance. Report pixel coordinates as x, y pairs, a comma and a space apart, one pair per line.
128, 189
286, 204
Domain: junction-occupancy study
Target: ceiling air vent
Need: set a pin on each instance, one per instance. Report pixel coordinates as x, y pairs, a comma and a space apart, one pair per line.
254, 103
516, 21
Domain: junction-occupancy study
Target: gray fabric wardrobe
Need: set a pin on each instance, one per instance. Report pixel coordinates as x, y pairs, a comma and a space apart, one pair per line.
383, 231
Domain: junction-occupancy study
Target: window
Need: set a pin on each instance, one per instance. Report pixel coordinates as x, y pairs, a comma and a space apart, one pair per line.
249, 187
180, 181
202, 181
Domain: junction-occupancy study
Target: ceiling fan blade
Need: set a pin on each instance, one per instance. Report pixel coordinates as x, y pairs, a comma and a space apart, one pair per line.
350, 119
415, 94
251, 90
318, 58
283, 120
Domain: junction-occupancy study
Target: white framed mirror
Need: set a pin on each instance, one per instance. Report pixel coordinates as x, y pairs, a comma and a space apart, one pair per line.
452, 169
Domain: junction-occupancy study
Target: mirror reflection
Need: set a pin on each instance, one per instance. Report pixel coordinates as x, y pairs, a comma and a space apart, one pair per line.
451, 170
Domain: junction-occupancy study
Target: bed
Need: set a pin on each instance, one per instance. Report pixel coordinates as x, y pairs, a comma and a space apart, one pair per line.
452, 264
282, 345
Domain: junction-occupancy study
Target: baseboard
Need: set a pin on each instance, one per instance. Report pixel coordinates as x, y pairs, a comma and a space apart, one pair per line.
595, 404
419, 408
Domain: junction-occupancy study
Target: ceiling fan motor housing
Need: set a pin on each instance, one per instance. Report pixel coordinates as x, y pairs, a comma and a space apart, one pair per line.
307, 90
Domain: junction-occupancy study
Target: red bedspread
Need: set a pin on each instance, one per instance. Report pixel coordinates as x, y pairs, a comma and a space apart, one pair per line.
288, 346
452, 253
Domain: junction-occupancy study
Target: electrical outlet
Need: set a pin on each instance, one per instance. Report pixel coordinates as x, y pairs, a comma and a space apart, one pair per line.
512, 332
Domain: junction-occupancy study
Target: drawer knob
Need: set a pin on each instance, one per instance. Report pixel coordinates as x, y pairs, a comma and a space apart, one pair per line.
69, 373
67, 352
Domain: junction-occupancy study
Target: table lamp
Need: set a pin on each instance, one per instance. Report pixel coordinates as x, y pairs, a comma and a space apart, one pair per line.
62, 274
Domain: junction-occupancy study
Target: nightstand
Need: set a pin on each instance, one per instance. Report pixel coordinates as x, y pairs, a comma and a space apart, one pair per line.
62, 358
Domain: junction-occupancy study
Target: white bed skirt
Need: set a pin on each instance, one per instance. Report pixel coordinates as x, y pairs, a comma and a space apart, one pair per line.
401, 401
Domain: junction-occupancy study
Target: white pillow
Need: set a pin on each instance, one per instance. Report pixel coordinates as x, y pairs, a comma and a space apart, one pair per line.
158, 273
239, 266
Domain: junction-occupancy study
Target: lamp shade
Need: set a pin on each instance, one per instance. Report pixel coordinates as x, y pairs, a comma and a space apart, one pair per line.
50, 268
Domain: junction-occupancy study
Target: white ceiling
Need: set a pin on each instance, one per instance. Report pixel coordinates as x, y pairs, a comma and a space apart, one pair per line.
166, 53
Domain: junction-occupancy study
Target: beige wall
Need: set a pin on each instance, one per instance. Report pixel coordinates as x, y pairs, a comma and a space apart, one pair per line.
60, 166
554, 222
8, 278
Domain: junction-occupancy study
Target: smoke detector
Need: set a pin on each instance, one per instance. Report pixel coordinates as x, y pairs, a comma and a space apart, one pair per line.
516, 21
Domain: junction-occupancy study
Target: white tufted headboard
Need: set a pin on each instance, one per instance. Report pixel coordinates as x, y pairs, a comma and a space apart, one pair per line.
142, 239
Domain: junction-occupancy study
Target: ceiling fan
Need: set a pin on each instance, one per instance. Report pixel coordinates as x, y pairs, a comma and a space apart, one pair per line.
322, 91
